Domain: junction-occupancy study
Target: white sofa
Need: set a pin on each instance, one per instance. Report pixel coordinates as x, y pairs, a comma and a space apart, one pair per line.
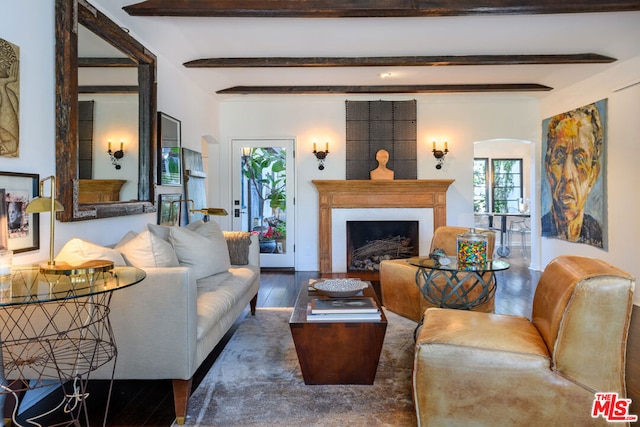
166, 325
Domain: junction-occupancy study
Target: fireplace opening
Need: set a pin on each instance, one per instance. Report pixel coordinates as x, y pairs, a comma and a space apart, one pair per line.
371, 242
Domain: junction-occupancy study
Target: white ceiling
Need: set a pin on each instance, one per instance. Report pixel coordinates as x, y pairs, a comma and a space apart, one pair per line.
182, 39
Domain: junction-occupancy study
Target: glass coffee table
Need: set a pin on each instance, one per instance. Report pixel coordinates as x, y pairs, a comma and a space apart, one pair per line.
337, 352
456, 285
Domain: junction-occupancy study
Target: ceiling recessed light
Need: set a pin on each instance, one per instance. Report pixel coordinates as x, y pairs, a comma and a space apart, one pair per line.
384, 75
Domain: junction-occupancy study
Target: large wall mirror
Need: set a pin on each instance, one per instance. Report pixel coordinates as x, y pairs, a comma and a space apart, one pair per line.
105, 102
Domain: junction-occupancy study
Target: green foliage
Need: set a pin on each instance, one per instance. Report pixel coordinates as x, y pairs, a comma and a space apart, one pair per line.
265, 169
502, 184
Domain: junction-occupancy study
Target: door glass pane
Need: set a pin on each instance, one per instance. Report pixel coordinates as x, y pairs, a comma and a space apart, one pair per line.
264, 183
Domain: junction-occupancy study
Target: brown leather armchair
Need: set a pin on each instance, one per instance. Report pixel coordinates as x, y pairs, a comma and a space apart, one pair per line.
400, 293
487, 369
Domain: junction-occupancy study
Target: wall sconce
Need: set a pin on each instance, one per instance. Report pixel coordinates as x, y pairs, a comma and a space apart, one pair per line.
439, 154
116, 156
321, 155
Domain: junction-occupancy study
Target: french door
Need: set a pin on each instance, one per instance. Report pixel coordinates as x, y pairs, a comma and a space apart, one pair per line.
263, 196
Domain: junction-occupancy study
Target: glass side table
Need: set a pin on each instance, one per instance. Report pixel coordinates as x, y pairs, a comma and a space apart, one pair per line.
460, 286
54, 327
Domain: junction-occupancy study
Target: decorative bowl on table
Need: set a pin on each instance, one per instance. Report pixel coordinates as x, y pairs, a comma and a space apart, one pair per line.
340, 288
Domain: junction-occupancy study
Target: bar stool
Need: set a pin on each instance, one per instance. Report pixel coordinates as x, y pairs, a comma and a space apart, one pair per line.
521, 226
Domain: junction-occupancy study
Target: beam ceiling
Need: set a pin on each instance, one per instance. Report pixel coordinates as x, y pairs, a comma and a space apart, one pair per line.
399, 61
388, 89
370, 8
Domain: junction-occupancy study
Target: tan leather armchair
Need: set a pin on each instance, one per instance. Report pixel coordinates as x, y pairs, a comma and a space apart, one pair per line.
485, 369
400, 293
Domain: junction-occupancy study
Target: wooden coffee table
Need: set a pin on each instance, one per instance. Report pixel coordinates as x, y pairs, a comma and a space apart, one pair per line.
336, 352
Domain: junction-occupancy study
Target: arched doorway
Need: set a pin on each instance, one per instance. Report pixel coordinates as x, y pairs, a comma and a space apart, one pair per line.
509, 168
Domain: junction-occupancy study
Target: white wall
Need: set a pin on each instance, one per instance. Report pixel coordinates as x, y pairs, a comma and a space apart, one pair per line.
623, 173
460, 120
116, 120
176, 96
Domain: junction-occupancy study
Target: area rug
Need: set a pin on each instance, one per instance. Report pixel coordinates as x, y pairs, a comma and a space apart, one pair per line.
256, 381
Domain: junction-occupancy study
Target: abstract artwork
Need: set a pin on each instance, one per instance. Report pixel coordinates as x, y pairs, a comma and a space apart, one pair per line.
573, 188
9, 99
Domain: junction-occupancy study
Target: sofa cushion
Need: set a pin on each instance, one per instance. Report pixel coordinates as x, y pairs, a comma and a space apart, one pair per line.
202, 250
216, 298
77, 251
147, 250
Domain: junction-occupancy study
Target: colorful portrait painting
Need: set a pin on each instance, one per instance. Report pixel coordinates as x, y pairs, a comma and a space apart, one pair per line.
9, 99
573, 187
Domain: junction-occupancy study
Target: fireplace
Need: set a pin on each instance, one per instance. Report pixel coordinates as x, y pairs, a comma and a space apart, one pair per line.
424, 201
371, 242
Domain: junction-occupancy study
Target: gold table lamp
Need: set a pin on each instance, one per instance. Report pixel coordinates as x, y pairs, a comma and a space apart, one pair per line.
50, 204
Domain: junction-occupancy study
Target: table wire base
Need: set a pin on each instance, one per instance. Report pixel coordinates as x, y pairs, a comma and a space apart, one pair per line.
56, 341
456, 289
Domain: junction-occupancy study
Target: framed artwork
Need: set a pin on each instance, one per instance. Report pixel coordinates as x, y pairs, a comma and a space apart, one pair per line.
10, 102
165, 203
573, 187
169, 144
19, 231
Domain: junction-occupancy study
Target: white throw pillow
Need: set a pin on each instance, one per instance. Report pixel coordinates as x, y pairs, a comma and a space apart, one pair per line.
77, 251
126, 238
203, 254
212, 231
161, 231
195, 225
147, 250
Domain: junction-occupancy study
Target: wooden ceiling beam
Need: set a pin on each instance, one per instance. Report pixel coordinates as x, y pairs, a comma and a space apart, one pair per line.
370, 8
320, 90
399, 61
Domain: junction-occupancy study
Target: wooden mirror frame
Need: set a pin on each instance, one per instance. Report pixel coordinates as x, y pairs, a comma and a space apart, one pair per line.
70, 13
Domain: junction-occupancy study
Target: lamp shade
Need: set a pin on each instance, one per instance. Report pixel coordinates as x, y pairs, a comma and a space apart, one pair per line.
43, 204
211, 211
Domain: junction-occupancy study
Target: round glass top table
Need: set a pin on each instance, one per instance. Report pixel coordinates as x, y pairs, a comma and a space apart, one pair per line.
456, 285
33, 284
55, 328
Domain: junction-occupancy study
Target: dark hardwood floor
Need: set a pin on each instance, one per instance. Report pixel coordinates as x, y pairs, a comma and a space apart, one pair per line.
150, 403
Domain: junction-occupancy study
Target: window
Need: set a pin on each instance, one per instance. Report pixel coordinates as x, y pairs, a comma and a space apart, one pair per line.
503, 191
480, 187
507, 184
